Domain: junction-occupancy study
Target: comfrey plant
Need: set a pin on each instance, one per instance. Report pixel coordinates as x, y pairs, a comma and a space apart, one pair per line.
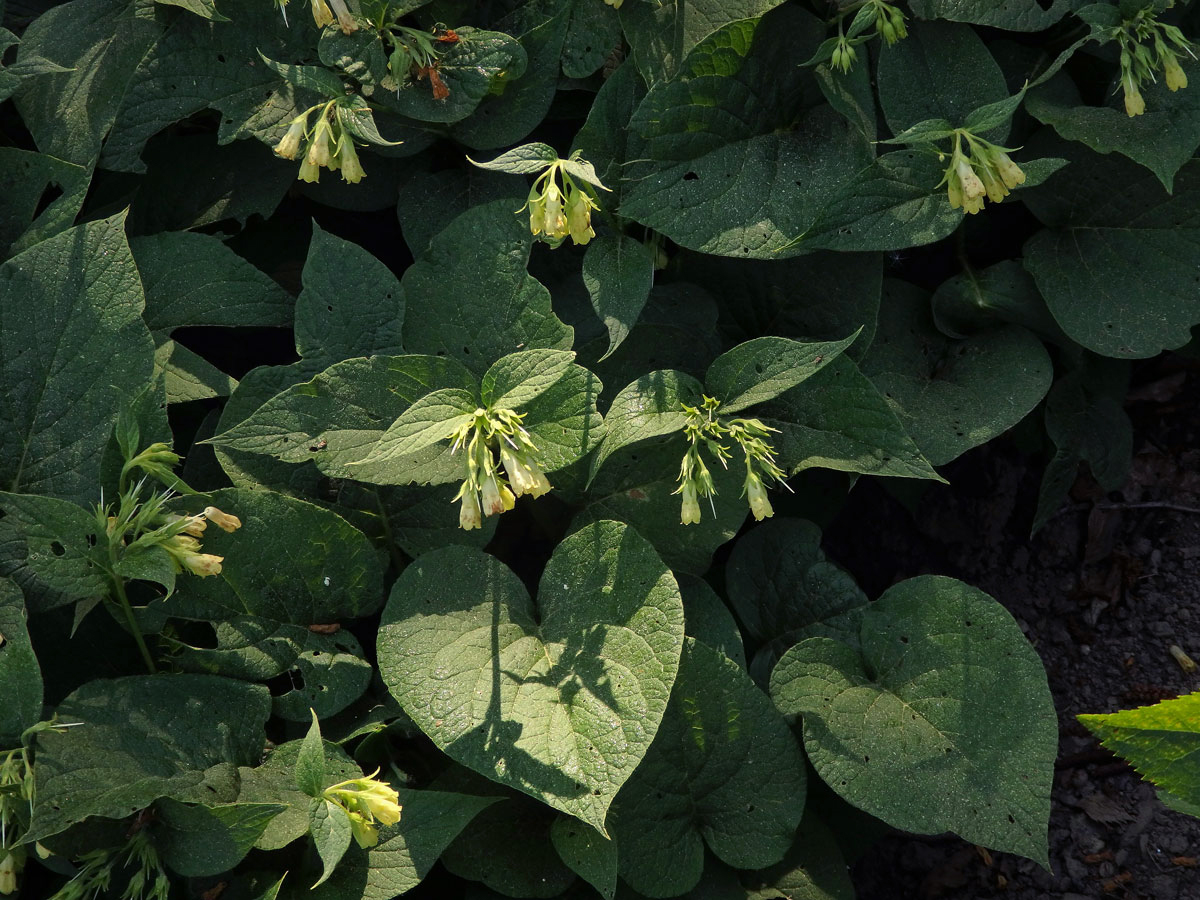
447, 501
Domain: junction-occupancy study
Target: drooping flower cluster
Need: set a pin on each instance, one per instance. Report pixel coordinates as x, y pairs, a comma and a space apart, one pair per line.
556, 212
887, 20
367, 801
1148, 46
488, 491
705, 429
984, 170
329, 143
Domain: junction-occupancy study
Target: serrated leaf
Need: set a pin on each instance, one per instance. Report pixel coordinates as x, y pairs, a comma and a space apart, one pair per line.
329, 825
72, 347
195, 279
406, 851
724, 771
942, 720
481, 306
618, 272
763, 368
952, 395
1161, 741
650, 407
839, 420
20, 675
562, 710
1107, 218
290, 562
198, 839
142, 738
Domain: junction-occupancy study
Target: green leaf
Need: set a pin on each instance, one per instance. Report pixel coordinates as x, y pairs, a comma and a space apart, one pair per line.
416, 448
24, 180
783, 589
418, 518
45, 547
999, 13
20, 675
605, 139
142, 738
429, 201
310, 761
99, 44
725, 771
593, 35
892, 204
291, 562
519, 378
337, 418
650, 407
984, 298
763, 368
838, 419
528, 159
208, 839
206, 9
351, 304
587, 853
941, 721
198, 65
618, 272
314, 79
195, 279
562, 420
469, 69
562, 710
274, 781
940, 71
480, 306
663, 35
186, 375
952, 395
1162, 139
331, 833
406, 851
814, 869
1107, 219
708, 619
72, 346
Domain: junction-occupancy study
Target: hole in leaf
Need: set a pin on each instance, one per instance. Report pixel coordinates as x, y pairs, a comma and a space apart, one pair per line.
690, 176
57, 549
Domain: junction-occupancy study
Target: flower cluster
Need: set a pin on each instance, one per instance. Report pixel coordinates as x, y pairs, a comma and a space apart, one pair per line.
328, 143
366, 801
416, 53
16, 806
887, 20
705, 429
984, 170
148, 881
1139, 62
486, 490
556, 212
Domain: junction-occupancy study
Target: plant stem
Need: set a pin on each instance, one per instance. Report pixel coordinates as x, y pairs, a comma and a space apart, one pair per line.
119, 585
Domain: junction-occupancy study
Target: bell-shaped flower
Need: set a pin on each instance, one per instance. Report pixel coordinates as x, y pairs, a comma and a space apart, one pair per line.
523, 473
972, 185
289, 145
497, 498
579, 215
222, 520
756, 493
537, 210
1009, 171
321, 13
347, 156
345, 20
554, 222
185, 554
690, 512
1176, 77
469, 516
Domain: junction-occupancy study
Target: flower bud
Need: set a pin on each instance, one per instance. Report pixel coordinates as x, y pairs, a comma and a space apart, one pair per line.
289, 146
222, 520
1010, 172
897, 19
1176, 77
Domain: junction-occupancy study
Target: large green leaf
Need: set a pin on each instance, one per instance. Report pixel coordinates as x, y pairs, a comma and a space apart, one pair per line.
1161, 741
1162, 139
145, 737
724, 771
559, 701
291, 562
952, 395
761, 369
195, 279
406, 851
72, 347
618, 272
940, 720
198, 839
838, 419
1116, 262
46, 547
20, 675
999, 13
99, 44
24, 179
940, 71
814, 869
593, 35
477, 307
649, 408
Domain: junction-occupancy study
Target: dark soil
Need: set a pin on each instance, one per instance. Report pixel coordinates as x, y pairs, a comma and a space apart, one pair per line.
1103, 592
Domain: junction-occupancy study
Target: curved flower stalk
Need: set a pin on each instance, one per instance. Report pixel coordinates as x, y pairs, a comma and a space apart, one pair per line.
328, 144
492, 486
705, 428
